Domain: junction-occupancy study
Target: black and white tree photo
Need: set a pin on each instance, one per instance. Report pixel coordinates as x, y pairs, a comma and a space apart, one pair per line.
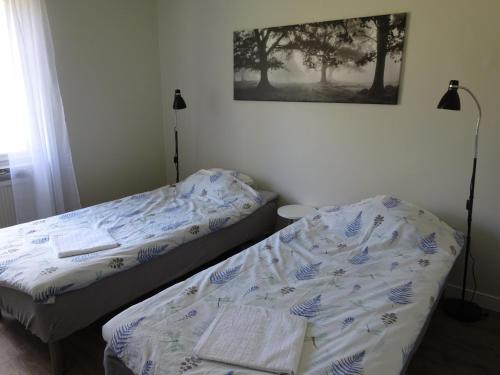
356, 60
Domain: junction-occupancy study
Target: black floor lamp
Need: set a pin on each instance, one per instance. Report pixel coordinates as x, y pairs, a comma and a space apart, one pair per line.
179, 103
459, 308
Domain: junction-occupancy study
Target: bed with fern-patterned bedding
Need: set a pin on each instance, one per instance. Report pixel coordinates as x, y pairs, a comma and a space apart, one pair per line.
365, 275
146, 226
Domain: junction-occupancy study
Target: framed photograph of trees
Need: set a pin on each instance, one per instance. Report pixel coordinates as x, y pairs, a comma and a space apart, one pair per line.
355, 60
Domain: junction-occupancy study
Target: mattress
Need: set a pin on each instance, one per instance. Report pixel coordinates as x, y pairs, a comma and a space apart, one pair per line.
79, 308
366, 276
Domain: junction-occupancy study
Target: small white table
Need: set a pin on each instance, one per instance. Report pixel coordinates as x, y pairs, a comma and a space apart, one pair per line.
295, 212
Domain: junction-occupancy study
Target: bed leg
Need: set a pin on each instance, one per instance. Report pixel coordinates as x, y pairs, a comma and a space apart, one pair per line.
56, 358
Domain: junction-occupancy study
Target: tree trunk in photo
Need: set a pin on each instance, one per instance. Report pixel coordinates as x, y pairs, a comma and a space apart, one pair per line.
324, 67
263, 65
264, 79
383, 25
330, 75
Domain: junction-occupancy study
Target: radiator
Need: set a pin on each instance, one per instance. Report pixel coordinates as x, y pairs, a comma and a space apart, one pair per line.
7, 212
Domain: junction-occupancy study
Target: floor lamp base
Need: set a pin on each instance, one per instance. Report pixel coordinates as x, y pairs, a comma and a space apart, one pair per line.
463, 311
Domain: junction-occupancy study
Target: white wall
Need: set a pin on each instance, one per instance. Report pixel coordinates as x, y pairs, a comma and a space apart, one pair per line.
107, 60
336, 153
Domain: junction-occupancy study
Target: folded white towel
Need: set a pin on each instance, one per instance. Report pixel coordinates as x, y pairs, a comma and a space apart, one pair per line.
255, 338
82, 241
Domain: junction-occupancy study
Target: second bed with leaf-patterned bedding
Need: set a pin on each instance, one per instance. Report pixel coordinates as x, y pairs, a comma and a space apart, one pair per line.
366, 276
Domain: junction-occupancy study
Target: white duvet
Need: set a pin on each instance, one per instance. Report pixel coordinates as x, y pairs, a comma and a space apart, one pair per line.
365, 276
145, 225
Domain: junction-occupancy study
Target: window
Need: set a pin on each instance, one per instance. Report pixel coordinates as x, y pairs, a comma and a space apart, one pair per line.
13, 101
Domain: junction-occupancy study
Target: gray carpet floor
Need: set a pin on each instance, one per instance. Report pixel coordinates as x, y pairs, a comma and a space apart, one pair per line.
449, 347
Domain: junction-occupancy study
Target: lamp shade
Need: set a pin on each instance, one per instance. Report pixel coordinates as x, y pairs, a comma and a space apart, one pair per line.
450, 99
179, 102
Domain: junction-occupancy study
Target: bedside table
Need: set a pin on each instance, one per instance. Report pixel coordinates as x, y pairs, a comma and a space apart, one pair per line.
294, 212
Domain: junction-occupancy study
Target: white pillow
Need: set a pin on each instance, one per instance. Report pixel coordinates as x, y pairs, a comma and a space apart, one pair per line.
241, 176
216, 183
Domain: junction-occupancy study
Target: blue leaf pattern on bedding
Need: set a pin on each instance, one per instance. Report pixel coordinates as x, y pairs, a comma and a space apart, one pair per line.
72, 214
459, 238
172, 208
394, 236
85, 257
307, 309
188, 194
361, 257
222, 277
351, 365
228, 203
405, 353
3, 268
355, 288
353, 228
288, 236
189, 315
251, 290
132, 213
50, 292
174, 226
146, 369
308, 272
347, 322
379, 219
215, 177
259, 199
149, 253
40, 240
333, 209
402, 294
428, 244
116, 227
5, 264
218, 223
394, 265
391, 202
122, 335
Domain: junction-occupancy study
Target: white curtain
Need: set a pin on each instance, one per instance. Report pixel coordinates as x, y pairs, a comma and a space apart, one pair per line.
43, 178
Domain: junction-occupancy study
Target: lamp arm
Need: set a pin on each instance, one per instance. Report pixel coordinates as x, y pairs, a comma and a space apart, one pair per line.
478, 122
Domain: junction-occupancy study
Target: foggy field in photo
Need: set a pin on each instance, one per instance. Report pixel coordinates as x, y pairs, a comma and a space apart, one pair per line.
314, 92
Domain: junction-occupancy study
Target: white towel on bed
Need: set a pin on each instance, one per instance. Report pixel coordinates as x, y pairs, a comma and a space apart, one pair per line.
82, 241
254, 337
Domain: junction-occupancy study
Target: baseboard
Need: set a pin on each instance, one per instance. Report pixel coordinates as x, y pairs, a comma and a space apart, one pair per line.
484, 300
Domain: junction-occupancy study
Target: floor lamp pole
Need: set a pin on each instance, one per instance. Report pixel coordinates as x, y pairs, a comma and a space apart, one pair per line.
176, 156
469, 205
179, 104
